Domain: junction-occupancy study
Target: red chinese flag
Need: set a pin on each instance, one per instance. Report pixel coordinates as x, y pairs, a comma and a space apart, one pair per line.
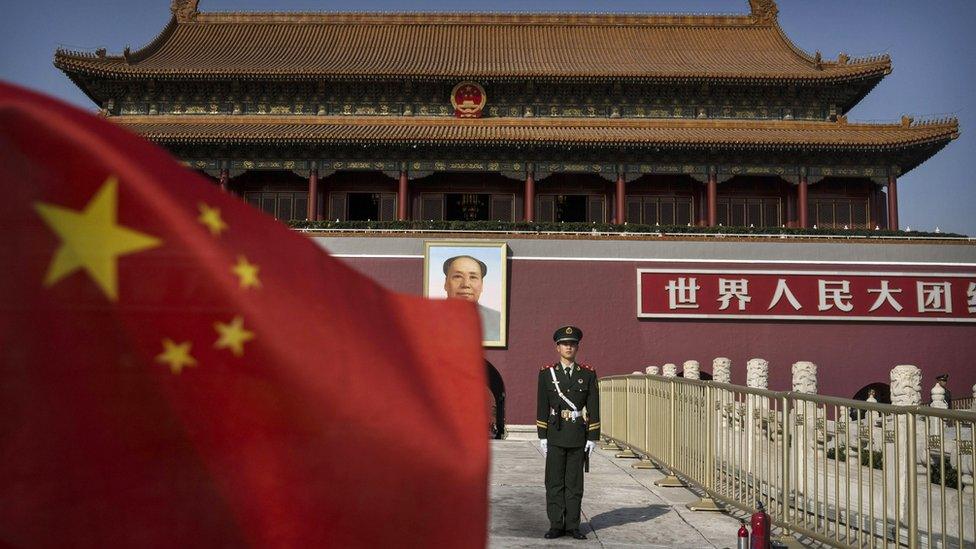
177, 369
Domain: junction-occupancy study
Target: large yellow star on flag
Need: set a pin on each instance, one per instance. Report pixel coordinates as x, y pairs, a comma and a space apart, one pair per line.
233, 336
247, 272
176, 355
92, 240
211, 218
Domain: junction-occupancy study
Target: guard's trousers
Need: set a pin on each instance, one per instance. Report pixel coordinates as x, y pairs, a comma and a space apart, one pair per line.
564, 486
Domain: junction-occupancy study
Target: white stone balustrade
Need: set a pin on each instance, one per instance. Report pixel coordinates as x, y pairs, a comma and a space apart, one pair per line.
938, 397
722, 371
906, 390
757, 373
805, 418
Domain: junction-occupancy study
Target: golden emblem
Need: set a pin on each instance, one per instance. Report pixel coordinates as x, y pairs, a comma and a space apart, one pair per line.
569, 330
468, 99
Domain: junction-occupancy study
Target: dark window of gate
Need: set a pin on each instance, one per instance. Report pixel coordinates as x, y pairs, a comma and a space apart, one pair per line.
466, 207
659, 210
363, 206
370, 206
837, 213
282, 205
754, 211
571, 208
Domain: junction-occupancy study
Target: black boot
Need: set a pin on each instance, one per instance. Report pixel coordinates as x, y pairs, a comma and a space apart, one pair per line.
577, 534
554, 533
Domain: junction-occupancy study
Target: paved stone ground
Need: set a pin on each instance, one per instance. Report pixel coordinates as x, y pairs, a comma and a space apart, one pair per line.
621, 506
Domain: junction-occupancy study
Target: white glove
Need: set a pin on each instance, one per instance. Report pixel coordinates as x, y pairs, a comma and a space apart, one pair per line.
544, 444
590, 445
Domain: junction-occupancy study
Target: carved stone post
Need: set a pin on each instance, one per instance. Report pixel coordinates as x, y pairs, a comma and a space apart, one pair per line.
722, 373
938, 401
906, 390
938, 397
757, 377
805, 425
967, 466
805, 377
757, 373
651, 370
692, 370
878, 419
670, 370
722, 370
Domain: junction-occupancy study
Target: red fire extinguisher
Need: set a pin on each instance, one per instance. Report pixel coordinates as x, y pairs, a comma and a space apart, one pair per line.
743, 536
760, 528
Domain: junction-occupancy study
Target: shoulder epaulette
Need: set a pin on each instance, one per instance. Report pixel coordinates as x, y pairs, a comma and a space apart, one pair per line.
546, 367
587, 367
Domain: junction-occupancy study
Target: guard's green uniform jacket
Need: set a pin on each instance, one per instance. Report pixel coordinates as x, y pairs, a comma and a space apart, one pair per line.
580, 389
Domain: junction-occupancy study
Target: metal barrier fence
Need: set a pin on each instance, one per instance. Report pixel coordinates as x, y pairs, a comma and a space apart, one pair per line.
965, 403
843, 472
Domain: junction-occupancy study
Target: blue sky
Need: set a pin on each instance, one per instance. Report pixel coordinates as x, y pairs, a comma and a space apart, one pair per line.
931, 45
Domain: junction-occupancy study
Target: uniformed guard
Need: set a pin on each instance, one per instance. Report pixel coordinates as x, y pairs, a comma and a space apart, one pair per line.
568, 421
943, 380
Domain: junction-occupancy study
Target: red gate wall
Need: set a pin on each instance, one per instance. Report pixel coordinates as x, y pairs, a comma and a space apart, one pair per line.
601, 298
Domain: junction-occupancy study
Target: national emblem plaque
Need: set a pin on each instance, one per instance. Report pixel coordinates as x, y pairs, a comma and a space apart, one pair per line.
468, 99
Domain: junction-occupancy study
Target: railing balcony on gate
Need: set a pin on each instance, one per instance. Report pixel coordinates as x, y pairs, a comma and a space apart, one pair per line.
842, 472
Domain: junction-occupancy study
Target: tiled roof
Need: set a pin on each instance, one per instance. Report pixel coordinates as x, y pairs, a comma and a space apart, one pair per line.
473, 46
443, 131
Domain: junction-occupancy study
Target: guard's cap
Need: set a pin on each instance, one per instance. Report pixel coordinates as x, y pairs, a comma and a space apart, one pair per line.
942, 377
568, 333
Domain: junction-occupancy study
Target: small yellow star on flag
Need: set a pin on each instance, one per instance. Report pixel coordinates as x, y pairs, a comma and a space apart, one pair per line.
233, 336
211, 218
247, 272
92, 240
177, 355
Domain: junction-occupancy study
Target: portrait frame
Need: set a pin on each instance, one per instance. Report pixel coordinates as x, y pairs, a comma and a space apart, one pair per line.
493, 297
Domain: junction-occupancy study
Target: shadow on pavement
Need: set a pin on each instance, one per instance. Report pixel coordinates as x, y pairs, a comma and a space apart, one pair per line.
627, 515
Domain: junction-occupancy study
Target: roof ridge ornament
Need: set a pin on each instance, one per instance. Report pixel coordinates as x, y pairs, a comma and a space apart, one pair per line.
765, 11
184, 10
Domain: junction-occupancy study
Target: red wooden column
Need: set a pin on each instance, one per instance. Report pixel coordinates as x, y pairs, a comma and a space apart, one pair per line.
402, 198
529, 194
875, 205
791, 207
892, 202
802, 201
224, 179
313, 194
702, 210
621, 199
712, 197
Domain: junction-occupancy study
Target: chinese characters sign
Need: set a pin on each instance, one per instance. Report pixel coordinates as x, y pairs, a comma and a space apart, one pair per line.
806, 295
